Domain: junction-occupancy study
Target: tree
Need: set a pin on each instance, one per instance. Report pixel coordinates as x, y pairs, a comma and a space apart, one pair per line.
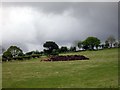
33, 52
50, 47
103, 46
55, 52
6, 56
80, 44
72, 48
15, 51
91, 42
116, 44
85, 45
63, 49
106, 44
111, 40
29, 53
11, 53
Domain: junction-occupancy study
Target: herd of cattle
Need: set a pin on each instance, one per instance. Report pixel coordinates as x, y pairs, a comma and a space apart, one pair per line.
66, 58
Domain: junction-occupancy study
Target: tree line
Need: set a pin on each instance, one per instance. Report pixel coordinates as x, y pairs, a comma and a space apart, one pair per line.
51, 48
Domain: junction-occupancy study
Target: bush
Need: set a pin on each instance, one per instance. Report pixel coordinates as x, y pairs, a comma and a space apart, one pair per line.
55, 52
18, 58
7, 56
27, 57
35, 56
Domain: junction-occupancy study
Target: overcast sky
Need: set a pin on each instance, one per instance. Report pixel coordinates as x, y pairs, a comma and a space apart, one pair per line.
29, 25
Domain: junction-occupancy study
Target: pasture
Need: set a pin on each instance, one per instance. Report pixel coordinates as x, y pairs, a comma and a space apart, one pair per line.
101, 71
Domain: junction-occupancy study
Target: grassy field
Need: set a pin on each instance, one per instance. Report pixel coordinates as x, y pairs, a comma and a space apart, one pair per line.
101, 71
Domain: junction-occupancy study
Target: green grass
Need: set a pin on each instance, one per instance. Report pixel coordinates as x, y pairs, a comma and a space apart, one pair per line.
101, 71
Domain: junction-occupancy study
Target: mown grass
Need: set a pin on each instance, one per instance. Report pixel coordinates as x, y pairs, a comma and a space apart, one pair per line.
101, 71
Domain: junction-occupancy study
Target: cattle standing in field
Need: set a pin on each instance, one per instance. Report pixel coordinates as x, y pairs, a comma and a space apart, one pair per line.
66, 58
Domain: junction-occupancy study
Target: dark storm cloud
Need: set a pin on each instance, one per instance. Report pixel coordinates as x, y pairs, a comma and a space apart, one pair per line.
29, 25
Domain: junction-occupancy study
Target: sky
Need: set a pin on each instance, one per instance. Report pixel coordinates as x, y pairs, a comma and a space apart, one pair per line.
30, 24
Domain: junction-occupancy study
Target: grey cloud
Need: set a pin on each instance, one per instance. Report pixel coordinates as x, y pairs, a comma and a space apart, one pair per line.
62, 22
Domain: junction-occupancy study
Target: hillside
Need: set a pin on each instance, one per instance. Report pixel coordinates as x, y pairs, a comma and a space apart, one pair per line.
101, 71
